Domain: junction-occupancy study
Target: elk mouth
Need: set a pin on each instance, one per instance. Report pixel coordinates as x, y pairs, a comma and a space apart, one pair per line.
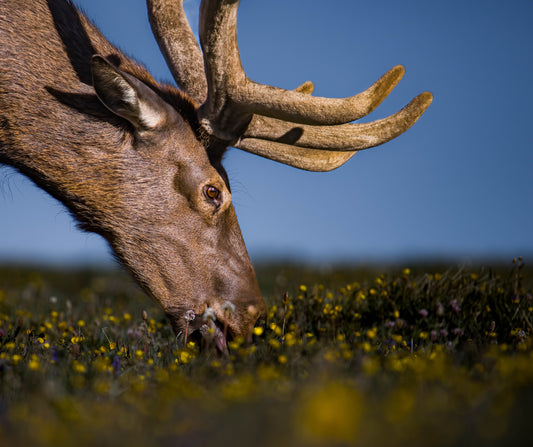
217, 333
203, 332
207, 329
212, 333
220, 335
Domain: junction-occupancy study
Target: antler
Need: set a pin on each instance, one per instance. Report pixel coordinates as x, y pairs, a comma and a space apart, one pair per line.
291, 127
179, 46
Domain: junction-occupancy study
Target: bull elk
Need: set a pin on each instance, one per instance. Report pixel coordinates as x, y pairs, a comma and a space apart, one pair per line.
140, 162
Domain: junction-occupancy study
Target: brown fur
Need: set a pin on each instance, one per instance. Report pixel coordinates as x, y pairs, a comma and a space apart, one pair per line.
140, 189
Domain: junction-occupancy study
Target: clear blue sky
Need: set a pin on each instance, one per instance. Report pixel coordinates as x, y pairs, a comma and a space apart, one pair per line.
458, 184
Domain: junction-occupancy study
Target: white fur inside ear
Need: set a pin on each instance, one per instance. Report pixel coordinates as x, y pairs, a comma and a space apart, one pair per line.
127, 92
149, 117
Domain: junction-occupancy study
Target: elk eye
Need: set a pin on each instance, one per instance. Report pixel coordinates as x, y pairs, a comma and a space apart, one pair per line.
212, 193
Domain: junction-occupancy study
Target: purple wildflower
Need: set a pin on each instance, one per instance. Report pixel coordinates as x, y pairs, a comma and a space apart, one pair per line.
455, 306
116, 364
423, 313
55, 355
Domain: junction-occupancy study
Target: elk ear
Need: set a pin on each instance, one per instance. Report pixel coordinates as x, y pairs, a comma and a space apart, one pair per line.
127, 96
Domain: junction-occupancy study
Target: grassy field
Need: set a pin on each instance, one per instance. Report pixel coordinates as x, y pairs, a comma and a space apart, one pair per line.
425, 356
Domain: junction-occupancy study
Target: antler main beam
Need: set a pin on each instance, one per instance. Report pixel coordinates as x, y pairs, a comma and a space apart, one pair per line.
231, 91
317, 160
179, 46
289, 126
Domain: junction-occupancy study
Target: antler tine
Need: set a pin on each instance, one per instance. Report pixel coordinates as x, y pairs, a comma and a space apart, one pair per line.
179, 46
318, 160
324, 148
307, 87
344, 137
299, 108
231, 95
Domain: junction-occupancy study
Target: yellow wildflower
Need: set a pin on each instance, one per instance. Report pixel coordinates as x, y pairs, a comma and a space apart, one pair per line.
397, 338
371, 333
276, 329
290, 339
216, 364
34, 364
185, 357
78, 367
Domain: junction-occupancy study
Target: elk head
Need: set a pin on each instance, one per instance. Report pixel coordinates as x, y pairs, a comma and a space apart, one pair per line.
291, 127
178, 235
154, 185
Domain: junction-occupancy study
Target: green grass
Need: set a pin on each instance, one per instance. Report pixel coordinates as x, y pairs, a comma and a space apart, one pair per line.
421, 356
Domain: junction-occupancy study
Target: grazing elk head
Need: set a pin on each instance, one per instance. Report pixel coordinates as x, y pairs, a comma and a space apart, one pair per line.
140, 162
